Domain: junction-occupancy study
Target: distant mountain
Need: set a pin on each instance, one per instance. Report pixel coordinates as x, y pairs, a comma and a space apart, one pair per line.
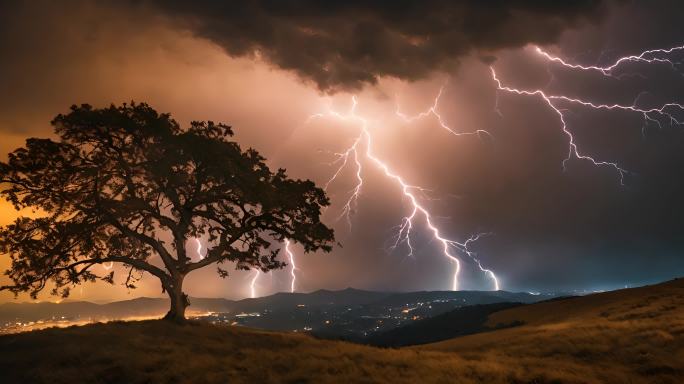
71, 310
281, 311
320, 298
44, 310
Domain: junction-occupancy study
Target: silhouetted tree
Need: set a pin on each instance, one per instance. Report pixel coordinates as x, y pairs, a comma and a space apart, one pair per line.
121, 180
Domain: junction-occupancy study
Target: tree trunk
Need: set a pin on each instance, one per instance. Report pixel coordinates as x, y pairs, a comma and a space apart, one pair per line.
179, 300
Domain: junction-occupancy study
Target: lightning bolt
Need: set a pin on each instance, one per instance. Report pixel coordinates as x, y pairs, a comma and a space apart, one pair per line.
362, 146
472, 255
432, 111
573, 150
293, 268
652, 114
343, 158
409, 191
252, 285
648, 57
257, 274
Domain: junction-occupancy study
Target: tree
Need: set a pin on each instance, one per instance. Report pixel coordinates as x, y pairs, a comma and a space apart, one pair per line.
128, 185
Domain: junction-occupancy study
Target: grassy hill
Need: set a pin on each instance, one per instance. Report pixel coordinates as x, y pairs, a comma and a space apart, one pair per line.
627, 336
159, 352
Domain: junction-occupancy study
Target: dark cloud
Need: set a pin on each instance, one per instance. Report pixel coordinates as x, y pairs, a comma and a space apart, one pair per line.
347, 44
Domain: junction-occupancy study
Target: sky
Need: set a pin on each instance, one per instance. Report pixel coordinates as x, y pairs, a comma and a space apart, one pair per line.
301, 81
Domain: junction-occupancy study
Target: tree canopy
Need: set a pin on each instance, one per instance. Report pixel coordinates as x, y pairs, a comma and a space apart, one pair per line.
128, 185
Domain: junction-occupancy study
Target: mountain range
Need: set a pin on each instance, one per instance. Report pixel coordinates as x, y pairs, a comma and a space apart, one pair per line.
277, 303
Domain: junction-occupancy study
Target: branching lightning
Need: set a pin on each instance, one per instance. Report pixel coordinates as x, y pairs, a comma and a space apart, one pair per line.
409, 191
432, 111
361, 152
472, 255
648, 57
342, 159
572, 145
652, 114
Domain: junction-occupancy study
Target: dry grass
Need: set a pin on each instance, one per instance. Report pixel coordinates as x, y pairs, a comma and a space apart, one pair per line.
158, 352
632, 336
627, 336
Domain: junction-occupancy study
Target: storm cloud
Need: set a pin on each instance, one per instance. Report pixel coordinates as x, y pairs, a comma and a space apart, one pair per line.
344, 45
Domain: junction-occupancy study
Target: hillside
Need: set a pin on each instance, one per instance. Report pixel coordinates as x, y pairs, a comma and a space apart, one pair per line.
627, 336
160, 352
631, 335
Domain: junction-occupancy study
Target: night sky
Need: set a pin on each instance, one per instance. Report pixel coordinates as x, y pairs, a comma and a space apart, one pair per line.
283, 74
